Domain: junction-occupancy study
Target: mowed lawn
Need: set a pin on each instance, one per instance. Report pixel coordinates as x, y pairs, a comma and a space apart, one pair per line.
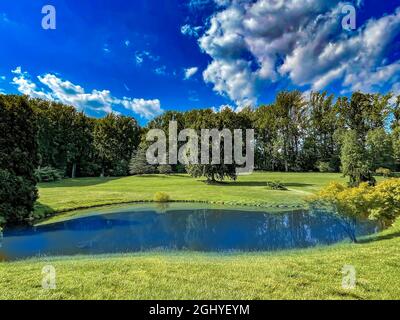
252, 190
299, 274
304, 274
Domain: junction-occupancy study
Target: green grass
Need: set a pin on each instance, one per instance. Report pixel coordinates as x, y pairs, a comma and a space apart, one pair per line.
71, 194
304, 274
298, 274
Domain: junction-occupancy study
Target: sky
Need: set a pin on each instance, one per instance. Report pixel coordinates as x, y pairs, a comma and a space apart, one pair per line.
143, 57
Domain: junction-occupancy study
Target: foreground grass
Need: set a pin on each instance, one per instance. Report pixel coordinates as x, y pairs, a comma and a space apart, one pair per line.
305, 274
302, 274
73, 194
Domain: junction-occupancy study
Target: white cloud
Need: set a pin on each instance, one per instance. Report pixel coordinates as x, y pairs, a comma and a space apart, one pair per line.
199, 4
57, 89
252, 43
4, 18
161, 71
190, 72
223, 107
3, 78
147, 108
141, 56
191, 31
106, 48
26, 86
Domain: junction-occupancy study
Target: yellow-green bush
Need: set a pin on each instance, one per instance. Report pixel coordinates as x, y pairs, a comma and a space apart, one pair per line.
384, 172
384, 201
161, 197
381, 202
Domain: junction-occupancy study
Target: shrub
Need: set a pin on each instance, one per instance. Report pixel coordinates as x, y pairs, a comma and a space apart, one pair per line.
120, 169
17, 197
139, 165
161, 197
276, 185
385, 172
48, 174
164, 169
381, 202
384, 202
324, 167
179, 168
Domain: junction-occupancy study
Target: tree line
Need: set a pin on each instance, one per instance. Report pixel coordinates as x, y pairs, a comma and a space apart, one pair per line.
356, 135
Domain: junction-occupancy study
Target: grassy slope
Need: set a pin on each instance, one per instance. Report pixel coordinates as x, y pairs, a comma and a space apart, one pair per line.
306, 274
79, 193
313, 273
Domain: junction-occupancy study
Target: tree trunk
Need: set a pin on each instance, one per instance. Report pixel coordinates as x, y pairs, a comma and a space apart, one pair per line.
73, 174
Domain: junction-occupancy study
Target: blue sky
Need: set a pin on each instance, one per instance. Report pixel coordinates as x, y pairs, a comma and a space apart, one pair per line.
145, 56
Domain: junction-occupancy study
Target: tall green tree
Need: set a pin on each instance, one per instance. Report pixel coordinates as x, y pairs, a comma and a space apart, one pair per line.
207, 119
379, 149
355, 162
115, 139
321, 123
264, 122
396, 146
138, 164
290, 109
18, 159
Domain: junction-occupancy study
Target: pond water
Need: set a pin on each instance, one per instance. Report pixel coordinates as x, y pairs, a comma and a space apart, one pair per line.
174, 227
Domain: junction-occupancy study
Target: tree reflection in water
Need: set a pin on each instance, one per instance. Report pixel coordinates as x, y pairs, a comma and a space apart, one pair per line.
167, 228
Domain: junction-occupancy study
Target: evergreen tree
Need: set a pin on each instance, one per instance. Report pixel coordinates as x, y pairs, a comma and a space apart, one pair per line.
164, 169
355, 163
138, 164
115, 139
18, 159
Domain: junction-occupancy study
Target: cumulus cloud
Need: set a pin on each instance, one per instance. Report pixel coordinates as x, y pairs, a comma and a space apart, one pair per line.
190, 72
223, 107
147, 108
57, 89
252, 43
26, 86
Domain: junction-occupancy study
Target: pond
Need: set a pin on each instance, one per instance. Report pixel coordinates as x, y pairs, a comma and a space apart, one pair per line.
177, 227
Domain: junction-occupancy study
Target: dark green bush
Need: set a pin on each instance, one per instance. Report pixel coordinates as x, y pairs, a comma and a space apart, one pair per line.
276, 185
164, 169
325, 167
48, 174
18, 159
17, 197
120, 169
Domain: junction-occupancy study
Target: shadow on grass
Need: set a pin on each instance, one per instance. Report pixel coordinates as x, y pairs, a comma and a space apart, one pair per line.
380, 238
74, 183
42, 211
265, 184
161, 176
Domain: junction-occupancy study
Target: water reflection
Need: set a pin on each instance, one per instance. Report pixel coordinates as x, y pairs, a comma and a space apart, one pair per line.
173, 229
